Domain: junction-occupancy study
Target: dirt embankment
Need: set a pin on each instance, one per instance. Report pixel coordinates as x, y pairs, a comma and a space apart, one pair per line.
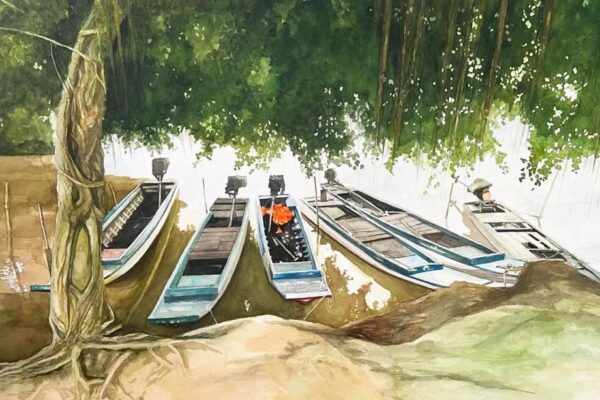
542, 284
538, 340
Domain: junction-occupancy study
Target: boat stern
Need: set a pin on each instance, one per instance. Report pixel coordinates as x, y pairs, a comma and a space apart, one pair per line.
179, 312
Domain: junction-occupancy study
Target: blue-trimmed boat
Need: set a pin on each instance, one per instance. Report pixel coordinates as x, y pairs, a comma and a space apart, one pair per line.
285, 249
386, 251
507, 231
130, 228
208, 262
433, 239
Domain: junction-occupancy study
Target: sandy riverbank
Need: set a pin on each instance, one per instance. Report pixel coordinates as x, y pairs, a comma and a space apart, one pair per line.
537, 341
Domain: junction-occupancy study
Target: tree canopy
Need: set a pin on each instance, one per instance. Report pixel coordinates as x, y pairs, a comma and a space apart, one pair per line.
426, 77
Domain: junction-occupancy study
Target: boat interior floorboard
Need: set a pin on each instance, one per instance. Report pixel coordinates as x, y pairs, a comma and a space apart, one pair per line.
140, 218
286, 242
390, 248
214, 243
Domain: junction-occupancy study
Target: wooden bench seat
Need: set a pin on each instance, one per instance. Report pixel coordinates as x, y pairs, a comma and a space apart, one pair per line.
214, 243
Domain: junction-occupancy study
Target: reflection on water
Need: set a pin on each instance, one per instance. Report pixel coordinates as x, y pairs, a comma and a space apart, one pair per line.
358, 289
566, 209
10, 274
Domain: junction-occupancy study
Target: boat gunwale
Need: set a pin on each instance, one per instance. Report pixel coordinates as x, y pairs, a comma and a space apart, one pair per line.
179, 267
491, 254
365, 254
576, 262
263, 237
112, 264
112, 268
430, 266
267, 260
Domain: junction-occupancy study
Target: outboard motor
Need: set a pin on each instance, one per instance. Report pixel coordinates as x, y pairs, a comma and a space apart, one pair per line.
481, 188
159, 170
331, 176
234, 183
276, 185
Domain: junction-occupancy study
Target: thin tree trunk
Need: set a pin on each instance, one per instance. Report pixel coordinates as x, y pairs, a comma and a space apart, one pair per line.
460, 84
543, 35
491, 83
384, 51
450, 33
79, 307
402, 67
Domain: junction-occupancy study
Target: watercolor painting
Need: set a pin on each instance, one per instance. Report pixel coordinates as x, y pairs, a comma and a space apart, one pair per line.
299, 199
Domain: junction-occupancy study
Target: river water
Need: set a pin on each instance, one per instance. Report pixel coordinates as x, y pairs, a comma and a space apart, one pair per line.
567, 207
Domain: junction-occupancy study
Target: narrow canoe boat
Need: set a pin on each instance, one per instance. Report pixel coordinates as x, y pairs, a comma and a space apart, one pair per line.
207, 264
434, 240
386, 251
509, 232
131, 227
285, 249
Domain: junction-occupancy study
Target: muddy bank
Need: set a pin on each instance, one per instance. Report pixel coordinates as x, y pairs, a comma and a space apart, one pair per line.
24, 327
544, 284
31, 182
536, 341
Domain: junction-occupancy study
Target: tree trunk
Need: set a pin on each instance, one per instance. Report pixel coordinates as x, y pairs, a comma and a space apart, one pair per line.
387, 12
79, 306
491, 83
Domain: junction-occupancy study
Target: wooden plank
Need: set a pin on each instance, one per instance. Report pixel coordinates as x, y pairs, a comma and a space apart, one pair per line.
222, 200
333, 212
238, 215
227, 207
390, 248
405, 221
208, 255
214, 242
229, 230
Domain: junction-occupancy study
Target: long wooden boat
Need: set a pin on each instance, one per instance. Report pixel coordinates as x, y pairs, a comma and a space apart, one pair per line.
287, 253
206, 266
440, 243
509, 232
386, 251
131, 227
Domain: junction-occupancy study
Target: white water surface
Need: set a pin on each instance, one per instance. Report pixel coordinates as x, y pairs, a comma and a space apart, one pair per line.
566, 206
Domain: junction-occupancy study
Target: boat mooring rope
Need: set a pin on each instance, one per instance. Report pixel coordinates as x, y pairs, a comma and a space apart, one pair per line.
313, 309
213, 316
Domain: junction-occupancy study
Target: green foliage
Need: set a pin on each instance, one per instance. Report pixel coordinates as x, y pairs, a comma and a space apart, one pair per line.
547, 76
29, 84
262, 76
256, 76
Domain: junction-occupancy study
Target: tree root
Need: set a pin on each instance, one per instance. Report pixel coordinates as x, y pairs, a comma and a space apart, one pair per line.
47, 360
114, 369
95, 363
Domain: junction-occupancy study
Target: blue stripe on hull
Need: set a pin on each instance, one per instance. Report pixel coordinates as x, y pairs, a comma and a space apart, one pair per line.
383, 262
444, 251
297, 274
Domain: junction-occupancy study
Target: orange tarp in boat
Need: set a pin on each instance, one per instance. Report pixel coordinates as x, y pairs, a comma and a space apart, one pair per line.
281, 213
